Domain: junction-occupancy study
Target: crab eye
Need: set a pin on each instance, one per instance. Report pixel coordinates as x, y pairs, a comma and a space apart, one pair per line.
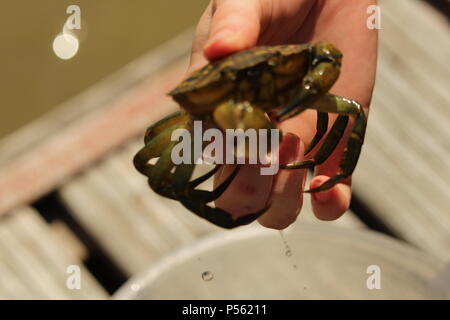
324, 51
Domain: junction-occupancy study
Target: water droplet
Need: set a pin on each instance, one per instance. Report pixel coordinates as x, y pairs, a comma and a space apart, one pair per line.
288, 251
207, 276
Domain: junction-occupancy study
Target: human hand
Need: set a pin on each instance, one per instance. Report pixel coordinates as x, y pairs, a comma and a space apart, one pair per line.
229, 26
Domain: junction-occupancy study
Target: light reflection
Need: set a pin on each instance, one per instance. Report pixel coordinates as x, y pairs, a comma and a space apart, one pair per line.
65, 45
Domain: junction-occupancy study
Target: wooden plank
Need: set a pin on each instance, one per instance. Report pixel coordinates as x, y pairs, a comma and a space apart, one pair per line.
69, 239
420, 23
401, 174
35, 160
34, 263
11, 286
419, 56
98, 218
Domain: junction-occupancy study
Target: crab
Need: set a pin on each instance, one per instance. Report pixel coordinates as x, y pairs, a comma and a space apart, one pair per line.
256, 88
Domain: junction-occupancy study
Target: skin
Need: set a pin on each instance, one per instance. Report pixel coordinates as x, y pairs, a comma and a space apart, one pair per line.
228, 26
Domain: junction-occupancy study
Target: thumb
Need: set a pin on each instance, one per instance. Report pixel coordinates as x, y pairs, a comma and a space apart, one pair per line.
235, 26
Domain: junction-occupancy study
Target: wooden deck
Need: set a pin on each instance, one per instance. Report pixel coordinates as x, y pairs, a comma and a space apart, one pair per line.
95, 211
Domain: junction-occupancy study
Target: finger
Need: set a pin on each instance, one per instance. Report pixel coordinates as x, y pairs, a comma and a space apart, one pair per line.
248, 192
356, 82
235, 26
288, 16
331, 204
344, 23
287, 191
201, 36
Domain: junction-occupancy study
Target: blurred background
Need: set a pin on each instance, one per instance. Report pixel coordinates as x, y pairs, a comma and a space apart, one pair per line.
75, 104
34, 80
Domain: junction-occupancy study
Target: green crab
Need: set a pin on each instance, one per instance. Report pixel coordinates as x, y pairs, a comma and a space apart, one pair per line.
256, 88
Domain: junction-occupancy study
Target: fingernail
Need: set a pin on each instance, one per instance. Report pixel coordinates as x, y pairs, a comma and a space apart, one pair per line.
291, 135
322, 197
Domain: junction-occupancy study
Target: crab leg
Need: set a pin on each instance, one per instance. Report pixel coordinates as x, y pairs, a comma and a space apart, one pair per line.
159, 144
196, 182
321, 129
327, 147
183, 188
351, 153
208, 196
177, 185
159, 174
154, 148
344, 107
175, 118
196, 200
218, 216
